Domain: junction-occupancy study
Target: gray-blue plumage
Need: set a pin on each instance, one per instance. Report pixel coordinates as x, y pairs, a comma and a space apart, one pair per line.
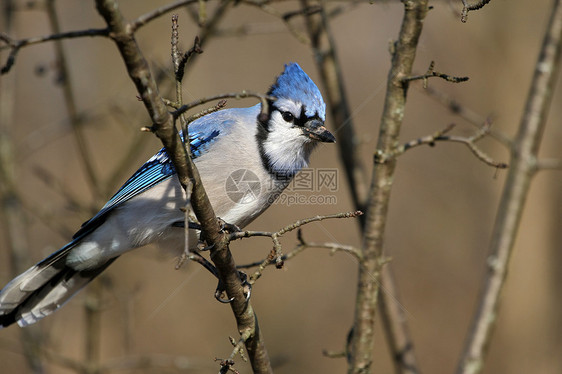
225, 145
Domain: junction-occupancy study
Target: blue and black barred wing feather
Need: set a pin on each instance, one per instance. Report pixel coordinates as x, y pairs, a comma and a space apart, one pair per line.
156, 170
43, 288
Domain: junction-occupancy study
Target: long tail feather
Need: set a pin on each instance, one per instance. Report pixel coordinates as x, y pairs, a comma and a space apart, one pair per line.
43, 288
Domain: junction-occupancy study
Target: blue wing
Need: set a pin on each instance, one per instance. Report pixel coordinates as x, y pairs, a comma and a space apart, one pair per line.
156, 170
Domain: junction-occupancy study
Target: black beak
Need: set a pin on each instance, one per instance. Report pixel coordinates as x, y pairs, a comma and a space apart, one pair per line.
315, 129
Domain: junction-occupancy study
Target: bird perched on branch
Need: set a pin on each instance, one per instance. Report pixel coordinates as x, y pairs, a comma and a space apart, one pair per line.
245, 161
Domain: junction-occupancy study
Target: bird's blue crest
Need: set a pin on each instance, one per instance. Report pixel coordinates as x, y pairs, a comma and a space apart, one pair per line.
295, 84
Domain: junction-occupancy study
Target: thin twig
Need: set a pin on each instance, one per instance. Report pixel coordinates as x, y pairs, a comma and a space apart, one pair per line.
470, 142
276, 254
209, 28
16, 45
267, 8
154, 14
186, 56
333, 247
432, 73
467, 114
236, 95
220, 105
467, 7
179, 66
239, 346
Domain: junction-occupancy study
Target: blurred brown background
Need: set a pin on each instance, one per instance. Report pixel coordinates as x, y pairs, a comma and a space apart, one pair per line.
442, 210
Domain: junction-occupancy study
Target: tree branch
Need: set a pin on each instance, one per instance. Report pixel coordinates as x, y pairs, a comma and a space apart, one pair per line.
362, 338
523, 167
152, 15
16, 45
327, 62
432, 73
549, 164
470, 142
163, 126
236, 95
14, 222
276, 254
395, 325
468, 115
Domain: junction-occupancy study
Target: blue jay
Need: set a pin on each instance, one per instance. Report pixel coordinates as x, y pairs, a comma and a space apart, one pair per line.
231, 148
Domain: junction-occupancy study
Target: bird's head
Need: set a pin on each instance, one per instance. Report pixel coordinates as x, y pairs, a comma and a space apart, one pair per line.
299, 106
295, 124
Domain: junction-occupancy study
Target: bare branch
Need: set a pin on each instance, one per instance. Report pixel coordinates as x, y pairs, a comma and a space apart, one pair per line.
432, 73
523, 167
181, 64
164, 127
236, 95
209, 28
429, 140
276, 255
239, 346
14, 223
468, 115
397, 331
220, 105
150, 16
328, 64
369, 280
470, 142
333, 247
65, 80
163, 123
284, 17
549, 164
16, 45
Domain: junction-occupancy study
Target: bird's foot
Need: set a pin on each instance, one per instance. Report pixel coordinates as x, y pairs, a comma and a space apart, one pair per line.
245, 284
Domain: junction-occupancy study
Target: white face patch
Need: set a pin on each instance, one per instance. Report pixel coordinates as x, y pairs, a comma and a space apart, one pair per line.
287, 146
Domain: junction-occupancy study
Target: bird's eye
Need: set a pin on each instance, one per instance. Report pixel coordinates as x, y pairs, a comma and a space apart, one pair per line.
288, 116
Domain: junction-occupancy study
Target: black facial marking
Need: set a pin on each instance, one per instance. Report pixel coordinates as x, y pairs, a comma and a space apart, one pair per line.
262, 134
261, 137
